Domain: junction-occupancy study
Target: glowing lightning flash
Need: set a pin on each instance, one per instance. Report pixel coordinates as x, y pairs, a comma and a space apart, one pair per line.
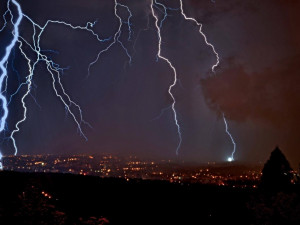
231, 158
3, 68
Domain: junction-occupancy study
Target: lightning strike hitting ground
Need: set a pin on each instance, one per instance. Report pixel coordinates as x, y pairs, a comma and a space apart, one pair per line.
175, 76
5, 59
231, 158
213, 69
29, 82
170, 64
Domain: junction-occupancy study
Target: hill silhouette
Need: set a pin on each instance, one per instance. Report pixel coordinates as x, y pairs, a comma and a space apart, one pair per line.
41, 198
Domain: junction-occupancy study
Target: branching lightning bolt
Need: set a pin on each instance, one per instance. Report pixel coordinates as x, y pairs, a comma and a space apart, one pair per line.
53, 68
164, 11
56, 71
175, 75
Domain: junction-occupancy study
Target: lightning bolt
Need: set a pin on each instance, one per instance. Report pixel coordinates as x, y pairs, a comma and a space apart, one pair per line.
212, 68
231, 158
201, 32
29, 82
159, 55
4, 61
53, 69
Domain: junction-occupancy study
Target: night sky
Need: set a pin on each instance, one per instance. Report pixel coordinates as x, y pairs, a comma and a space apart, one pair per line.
256, 84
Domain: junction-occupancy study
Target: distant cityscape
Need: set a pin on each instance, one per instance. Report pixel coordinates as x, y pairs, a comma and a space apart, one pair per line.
222, 174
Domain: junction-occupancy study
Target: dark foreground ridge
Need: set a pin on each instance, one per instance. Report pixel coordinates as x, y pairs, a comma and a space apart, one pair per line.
41, 198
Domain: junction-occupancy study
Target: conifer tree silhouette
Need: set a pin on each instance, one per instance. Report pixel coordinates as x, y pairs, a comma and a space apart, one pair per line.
276, 174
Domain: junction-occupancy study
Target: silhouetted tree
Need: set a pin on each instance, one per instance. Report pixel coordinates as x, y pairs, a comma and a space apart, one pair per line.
276, 174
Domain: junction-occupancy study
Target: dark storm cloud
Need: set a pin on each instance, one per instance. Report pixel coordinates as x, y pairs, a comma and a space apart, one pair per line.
251, 30
271, 95
257, 82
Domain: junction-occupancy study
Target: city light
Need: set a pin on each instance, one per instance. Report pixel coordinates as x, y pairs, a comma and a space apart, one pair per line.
108, 165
